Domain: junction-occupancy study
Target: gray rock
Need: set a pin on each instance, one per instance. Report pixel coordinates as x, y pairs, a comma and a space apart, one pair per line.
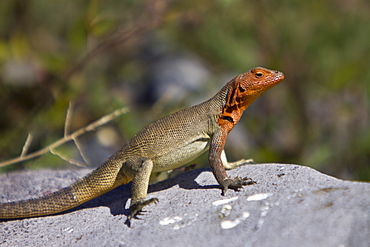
290, 205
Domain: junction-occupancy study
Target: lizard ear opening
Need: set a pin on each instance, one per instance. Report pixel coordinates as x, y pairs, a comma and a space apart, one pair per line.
234, 93
231, 95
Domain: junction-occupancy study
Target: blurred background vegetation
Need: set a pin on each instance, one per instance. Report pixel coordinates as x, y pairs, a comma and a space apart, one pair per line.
159, 56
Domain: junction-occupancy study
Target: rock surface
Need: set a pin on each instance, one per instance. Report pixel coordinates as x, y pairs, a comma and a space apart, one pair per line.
290, 205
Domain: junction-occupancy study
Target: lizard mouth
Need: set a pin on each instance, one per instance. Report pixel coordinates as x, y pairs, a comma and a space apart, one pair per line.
276, 79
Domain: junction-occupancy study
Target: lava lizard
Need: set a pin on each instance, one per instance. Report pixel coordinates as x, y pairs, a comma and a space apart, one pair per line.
166, 144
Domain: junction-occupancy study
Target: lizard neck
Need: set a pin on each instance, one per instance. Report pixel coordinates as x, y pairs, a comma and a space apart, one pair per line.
230, 106
220, 99
217, 106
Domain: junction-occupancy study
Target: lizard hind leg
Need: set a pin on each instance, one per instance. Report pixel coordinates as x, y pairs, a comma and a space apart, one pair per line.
136, 208
140, 188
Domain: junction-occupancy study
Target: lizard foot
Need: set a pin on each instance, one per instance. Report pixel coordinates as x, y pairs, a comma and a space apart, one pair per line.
235, 184
232, 165
137, 207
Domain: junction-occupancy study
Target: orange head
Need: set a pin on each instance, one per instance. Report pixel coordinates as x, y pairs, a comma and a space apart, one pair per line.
247, 87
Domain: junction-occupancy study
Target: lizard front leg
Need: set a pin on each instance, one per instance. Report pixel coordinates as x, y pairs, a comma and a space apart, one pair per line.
140, 188
215, 152
231, 165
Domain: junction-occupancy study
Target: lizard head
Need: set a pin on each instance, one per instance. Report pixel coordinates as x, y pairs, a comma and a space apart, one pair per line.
250, 85
247, 87
257, 80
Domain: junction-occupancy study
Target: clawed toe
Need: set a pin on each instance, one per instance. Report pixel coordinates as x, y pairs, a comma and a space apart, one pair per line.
248, 181
136, 209
235, 184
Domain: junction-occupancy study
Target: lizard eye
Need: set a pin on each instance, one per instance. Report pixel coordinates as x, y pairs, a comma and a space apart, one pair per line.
241, 89
259, 74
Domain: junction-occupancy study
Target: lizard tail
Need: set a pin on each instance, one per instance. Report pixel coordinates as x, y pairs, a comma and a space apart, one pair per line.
98, 182
56, 202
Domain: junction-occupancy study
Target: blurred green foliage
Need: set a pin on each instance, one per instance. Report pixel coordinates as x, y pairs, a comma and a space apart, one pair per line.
91, 53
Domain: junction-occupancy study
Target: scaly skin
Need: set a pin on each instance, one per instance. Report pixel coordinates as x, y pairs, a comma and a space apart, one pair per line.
166, 144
